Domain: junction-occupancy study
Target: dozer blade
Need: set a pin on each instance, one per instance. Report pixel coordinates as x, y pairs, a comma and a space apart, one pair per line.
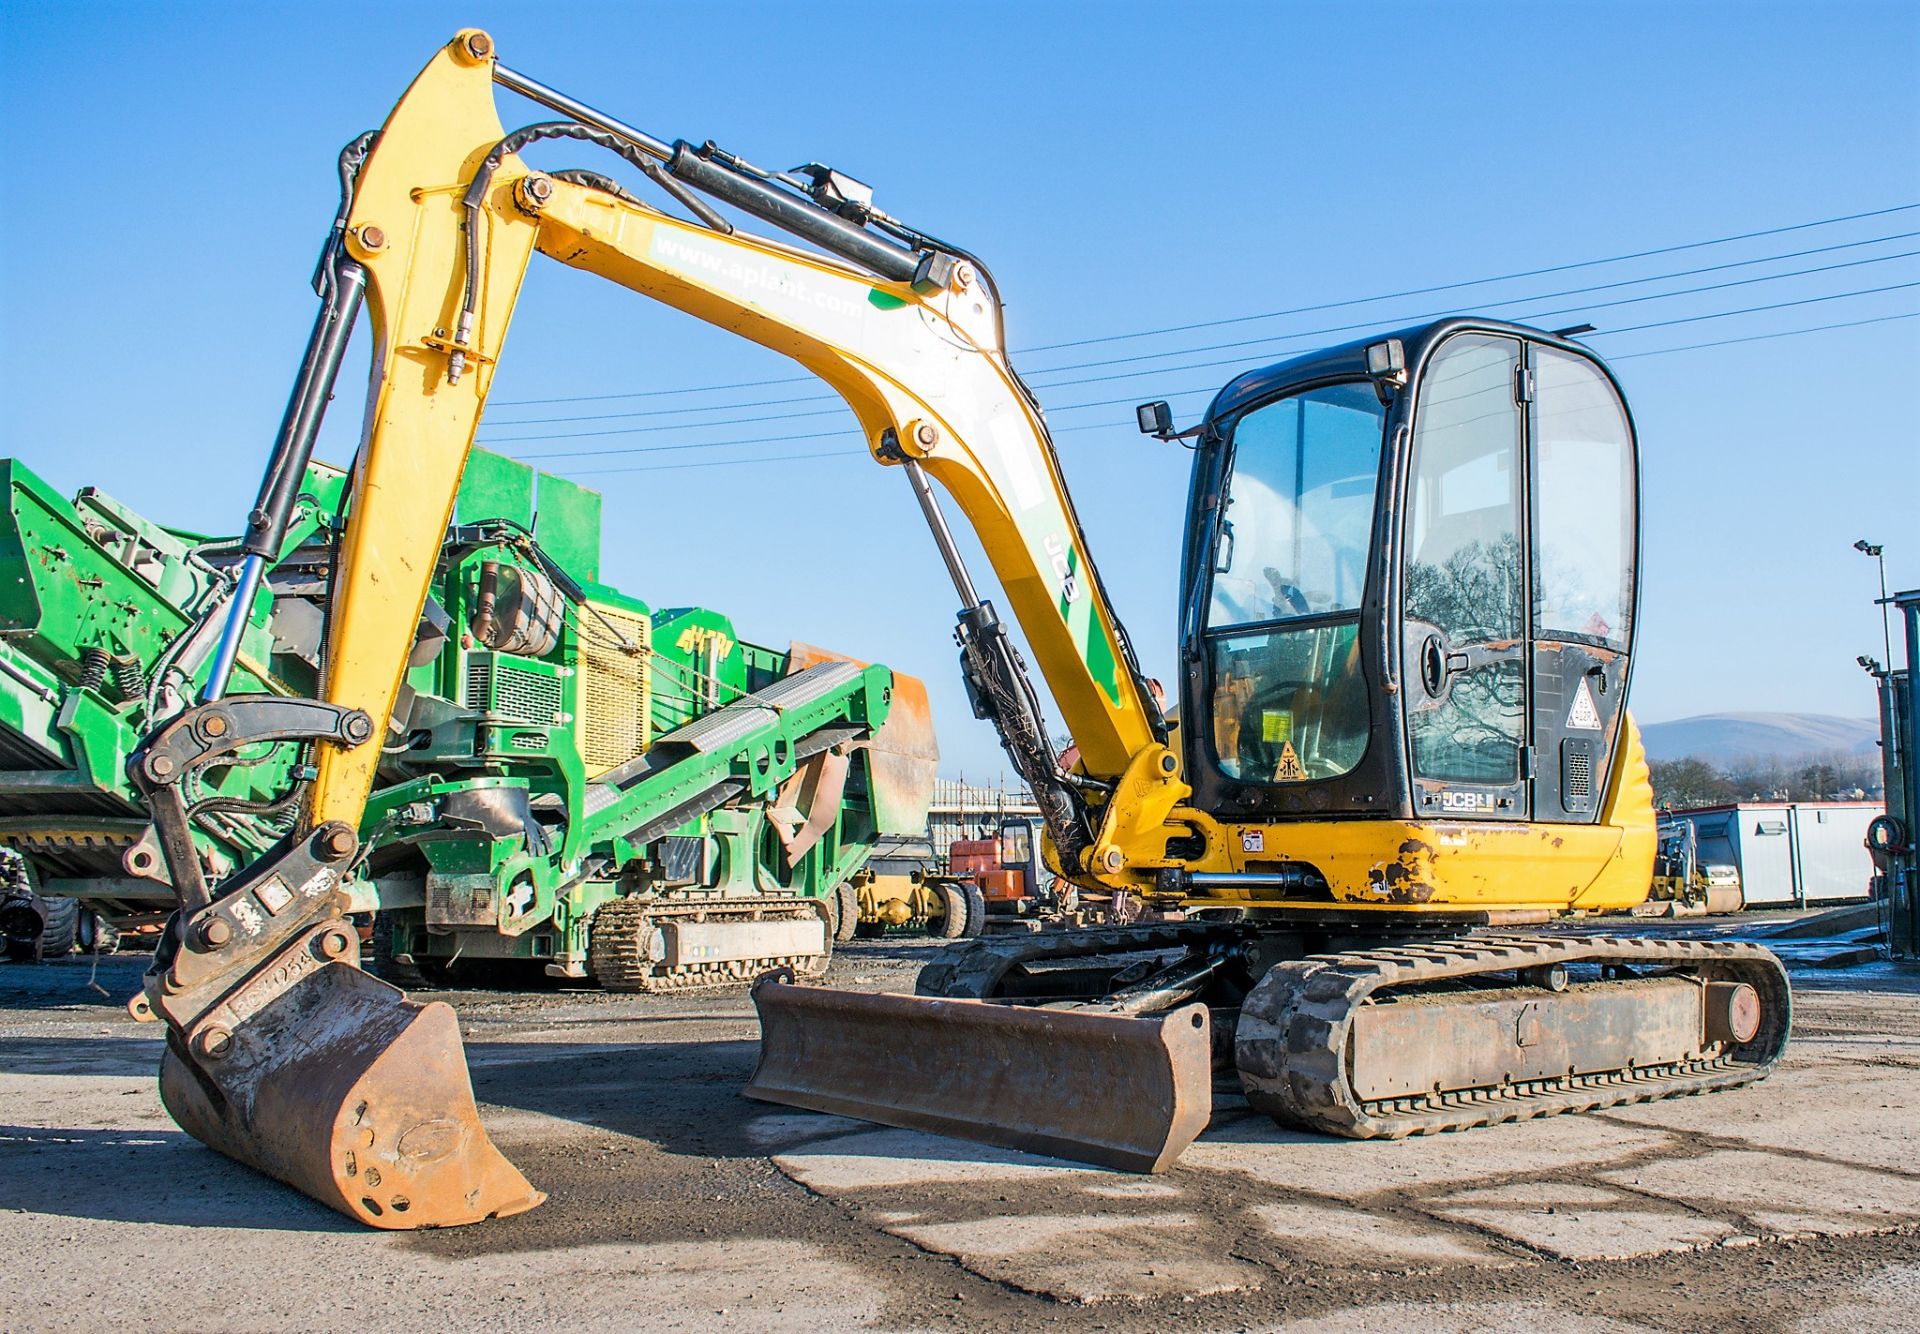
1109, 1089
346, 1090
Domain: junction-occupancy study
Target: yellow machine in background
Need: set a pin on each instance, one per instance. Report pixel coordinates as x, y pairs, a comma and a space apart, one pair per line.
1690, 885
1408, 593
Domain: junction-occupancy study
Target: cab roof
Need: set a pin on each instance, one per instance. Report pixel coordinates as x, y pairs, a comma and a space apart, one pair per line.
1348, 361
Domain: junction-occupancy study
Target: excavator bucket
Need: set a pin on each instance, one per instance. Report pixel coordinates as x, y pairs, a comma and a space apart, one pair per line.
1110, 1089
346, 1090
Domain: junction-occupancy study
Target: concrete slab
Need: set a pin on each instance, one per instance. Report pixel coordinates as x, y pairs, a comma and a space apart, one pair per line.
1586, 1231
779, 1129
1353, 1168
1793, 1109
667, 1211
105, 1182
879, 1158
1132, 1188
1458, 1318
1089, 1257
1782, 1193
1351, 1238
1881, 1304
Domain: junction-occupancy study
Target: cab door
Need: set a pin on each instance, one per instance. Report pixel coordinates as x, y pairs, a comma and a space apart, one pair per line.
1583, 557
1517, 582
1463, 584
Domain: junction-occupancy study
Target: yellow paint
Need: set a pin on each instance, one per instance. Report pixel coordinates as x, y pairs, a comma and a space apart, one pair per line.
419, 428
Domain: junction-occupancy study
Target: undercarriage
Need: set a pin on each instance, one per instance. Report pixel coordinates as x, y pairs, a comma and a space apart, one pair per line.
1331, 1023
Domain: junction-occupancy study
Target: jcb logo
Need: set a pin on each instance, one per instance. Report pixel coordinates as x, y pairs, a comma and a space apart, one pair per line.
1465, 801
1060, 555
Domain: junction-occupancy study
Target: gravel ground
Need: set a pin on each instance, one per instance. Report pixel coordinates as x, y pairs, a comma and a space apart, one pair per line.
676, 1204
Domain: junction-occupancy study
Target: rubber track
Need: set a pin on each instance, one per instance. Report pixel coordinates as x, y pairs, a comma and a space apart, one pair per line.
617, 944
1291, 1042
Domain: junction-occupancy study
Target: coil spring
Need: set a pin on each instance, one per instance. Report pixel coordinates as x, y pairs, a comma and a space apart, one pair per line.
128, 677
93, 668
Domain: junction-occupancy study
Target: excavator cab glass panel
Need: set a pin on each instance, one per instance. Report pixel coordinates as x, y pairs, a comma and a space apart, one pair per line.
1465, 629
1016, 846
1289, 575
1518, 580
1583, 580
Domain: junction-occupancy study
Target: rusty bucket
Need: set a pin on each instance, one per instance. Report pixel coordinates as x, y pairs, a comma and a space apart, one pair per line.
1113, 1090
345, 1089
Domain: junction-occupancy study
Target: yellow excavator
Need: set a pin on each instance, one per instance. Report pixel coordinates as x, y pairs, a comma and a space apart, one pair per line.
1409, 581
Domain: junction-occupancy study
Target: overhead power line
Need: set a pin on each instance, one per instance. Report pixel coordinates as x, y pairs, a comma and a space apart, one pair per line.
1305, 341
1273, 314
1252, 342
1478, 282
853, 437
1761, 338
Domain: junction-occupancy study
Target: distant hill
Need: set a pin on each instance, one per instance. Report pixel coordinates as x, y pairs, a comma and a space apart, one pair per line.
1724, 738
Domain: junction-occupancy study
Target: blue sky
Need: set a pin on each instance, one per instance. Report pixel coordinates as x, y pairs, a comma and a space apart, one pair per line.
1121, 167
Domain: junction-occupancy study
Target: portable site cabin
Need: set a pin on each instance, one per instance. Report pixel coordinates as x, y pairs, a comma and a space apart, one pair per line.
1789, 853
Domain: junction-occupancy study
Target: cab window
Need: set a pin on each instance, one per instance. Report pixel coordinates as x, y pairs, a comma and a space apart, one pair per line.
1016, 845
1583, 486
1290, 562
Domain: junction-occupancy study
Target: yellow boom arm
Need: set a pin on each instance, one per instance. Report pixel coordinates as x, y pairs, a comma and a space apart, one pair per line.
920, 365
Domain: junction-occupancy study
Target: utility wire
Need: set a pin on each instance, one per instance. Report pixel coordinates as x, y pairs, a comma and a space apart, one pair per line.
1508, 277
1214, 347
1274, 314
851, 436
1532, 318
1761, 338
1304, 339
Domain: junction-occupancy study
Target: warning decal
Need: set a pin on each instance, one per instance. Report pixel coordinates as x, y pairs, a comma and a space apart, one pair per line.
1583, 715
1288, 770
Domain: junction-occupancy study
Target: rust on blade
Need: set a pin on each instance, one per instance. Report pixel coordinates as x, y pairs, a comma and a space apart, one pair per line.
346, 1090
1114, 1090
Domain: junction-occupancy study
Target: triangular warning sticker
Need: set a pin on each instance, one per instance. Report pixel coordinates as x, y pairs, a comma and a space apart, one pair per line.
1288, 770
1583, 715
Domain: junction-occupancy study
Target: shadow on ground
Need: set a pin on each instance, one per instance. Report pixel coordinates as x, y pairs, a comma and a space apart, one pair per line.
160, 1176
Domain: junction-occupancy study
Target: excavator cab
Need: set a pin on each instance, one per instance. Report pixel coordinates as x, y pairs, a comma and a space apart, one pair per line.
1409, 582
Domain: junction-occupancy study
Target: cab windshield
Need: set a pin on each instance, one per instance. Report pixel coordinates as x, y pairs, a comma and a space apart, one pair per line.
1290, 562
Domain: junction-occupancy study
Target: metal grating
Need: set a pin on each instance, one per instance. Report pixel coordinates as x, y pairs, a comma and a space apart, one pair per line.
1579, 774
480, 682
497, 687
616, 690
1576, 775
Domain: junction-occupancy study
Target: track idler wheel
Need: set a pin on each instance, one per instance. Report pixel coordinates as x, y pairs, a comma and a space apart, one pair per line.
345, 1089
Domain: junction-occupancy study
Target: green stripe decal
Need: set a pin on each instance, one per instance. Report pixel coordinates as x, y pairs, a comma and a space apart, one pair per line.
1096, 650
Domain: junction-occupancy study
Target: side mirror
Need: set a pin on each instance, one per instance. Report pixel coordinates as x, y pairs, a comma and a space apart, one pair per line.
1155, 419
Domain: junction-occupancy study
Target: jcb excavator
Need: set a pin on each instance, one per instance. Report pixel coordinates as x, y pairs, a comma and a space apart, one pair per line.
1409, 581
